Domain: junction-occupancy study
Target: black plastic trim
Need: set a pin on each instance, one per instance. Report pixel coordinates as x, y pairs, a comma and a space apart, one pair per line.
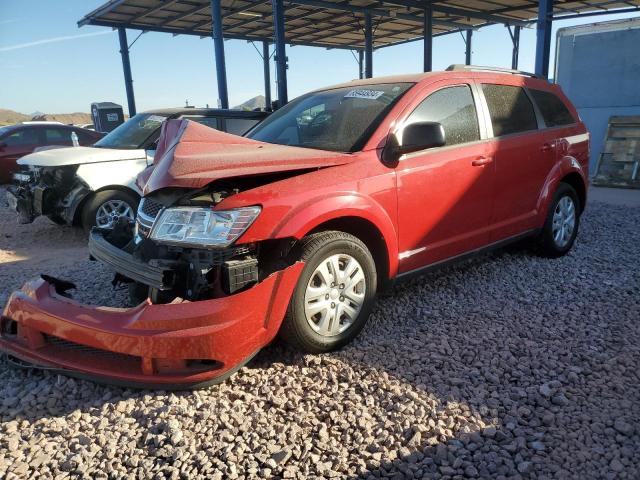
126, 264
464, 256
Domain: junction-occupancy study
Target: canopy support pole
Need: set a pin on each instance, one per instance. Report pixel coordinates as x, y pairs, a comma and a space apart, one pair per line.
515, 38
218, 43
543, 37
467, 53
428, 38
126, 69
360, 64
267, 75
281, 54
368, 46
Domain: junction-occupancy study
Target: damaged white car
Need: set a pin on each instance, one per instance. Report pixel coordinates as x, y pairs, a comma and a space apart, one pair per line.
95, 186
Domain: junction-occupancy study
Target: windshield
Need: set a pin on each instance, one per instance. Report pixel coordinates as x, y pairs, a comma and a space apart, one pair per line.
341, 119
134, 133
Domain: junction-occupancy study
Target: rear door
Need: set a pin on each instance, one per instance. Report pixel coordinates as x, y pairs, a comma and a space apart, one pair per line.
523, 154
17, 144
445, 194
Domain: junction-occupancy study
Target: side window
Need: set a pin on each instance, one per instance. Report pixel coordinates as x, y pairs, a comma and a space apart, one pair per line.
211, 122
554, 111
510, 109
58, 136
454, 109
27, 136
239, 126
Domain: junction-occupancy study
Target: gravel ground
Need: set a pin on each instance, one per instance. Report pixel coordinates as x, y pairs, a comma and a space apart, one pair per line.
508, 366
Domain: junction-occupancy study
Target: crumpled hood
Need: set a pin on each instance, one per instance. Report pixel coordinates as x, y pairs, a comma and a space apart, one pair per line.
60, 157
191, 155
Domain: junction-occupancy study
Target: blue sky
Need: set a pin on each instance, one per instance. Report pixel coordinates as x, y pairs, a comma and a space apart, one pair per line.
49, 64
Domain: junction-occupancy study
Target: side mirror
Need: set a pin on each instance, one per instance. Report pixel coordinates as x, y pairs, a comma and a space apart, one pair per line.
415, 137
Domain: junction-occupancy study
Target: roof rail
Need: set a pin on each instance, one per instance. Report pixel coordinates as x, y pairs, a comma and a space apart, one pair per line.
456, 67
41, 122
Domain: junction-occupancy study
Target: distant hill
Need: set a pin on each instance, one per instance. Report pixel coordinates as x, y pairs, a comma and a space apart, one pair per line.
75, 118
252, 104
9, 117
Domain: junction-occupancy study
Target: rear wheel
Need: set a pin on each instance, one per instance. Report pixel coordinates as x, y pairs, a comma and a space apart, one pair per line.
334, 295
561, 226
104, 208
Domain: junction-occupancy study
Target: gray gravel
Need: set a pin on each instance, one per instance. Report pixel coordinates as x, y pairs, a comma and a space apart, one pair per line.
508, 366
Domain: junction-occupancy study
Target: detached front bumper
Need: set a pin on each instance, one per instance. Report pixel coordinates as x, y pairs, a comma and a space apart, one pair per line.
178, 345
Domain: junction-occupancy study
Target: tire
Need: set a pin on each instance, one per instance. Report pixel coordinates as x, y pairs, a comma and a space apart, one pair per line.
103, 198
548, 244
337, 248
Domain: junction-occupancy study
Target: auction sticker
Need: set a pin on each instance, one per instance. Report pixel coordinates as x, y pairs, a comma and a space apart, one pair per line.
368, 94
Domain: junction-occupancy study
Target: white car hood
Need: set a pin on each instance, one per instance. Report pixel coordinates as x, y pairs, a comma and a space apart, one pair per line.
59, 157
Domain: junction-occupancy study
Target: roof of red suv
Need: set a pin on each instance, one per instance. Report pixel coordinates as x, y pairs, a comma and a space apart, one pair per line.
460, 73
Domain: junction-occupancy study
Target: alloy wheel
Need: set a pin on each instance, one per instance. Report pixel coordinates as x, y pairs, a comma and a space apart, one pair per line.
564, 221
109, 212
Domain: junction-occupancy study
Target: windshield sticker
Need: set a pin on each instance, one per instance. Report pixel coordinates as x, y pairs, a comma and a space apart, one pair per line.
156, 118
367, 94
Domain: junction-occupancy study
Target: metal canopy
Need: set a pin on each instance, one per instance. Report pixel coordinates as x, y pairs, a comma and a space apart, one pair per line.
333, 23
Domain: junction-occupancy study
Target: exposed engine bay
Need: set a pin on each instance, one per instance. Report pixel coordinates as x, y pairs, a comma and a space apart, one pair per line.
164, 272
55, 192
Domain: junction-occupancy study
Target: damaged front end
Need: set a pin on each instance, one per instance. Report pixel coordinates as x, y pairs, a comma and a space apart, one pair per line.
202, 312
205, 300
165, 260
54, 192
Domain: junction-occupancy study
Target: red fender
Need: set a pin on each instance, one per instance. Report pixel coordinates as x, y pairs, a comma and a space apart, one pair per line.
306, 216
561, 169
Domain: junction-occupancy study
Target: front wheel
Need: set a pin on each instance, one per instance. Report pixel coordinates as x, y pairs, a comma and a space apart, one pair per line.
561, 225
334, 295
104, 208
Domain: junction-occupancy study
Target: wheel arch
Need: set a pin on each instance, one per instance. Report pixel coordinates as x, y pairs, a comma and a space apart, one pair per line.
369, 234
575, 180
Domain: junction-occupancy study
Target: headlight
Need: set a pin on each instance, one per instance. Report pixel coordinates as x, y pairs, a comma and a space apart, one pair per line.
202, 227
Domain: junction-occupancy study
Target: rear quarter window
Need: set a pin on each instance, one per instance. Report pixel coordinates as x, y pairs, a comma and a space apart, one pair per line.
554, 111
510, 109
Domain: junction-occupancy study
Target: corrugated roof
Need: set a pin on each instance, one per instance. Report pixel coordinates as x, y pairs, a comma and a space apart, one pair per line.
330, 23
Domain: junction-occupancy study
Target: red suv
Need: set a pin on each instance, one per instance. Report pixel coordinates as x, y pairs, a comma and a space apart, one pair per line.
294, 230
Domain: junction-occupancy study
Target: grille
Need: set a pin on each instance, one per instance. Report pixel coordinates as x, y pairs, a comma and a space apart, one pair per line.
95, 353
150, 208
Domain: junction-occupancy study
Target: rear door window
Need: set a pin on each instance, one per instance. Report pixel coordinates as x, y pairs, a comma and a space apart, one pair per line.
554, 111
239, 126
510, 109
454, 109
58, 136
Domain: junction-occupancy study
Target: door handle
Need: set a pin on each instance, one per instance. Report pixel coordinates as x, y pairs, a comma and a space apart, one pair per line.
479, 162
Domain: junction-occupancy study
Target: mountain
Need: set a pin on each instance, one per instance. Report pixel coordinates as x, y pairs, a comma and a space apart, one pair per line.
9, 117
252, 104
75, 118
